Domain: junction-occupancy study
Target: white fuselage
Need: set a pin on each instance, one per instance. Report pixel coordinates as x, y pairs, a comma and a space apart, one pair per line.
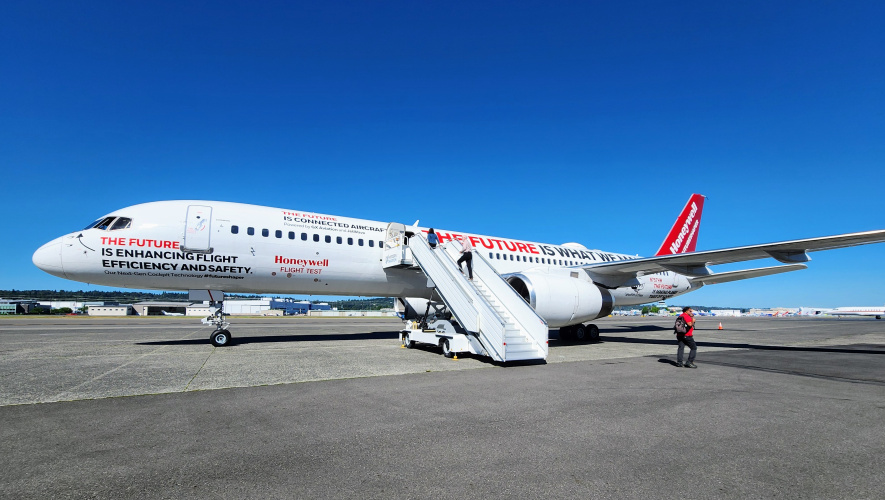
857, 311
238, 248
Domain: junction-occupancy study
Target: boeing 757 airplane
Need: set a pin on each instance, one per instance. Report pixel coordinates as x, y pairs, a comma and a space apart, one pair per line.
210, 248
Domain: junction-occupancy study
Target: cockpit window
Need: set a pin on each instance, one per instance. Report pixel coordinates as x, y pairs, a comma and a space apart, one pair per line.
121, 223
103, 224
109, 224
93, 224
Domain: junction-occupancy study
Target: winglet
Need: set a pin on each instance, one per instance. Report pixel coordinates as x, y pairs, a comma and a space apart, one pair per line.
683, 235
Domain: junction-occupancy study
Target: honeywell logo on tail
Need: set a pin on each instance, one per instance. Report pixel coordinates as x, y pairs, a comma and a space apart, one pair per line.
684, 233
688, 229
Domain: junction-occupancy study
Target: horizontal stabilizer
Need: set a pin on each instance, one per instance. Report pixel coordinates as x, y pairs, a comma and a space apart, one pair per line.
725, 277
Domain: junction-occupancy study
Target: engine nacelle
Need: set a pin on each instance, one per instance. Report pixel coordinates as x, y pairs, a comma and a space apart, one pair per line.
562, 299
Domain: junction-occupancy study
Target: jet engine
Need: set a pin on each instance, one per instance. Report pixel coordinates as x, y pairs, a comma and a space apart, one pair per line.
562, 299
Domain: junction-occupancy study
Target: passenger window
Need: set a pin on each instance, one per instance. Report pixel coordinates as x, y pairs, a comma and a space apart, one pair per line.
372, 243
278, 233
338, 240
380, 244
303, 236
360, 241
291, 235
316, 237
250, 231
265, 233
121, 223
350, 241
234, 229
328, 239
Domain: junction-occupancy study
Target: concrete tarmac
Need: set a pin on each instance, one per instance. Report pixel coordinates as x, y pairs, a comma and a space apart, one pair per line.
320, 408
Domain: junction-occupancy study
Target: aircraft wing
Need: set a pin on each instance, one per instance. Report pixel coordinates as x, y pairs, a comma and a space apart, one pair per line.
695, 264
745, 274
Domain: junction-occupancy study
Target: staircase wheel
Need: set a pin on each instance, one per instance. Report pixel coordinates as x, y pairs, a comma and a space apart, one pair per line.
444, 345
407, 342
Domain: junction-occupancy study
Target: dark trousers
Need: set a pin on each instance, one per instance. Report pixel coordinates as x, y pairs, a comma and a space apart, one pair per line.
685, 341
467, 257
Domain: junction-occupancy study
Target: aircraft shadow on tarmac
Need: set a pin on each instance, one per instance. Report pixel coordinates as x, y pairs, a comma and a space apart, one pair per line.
731, 345
283, 338
394, 336
645, 328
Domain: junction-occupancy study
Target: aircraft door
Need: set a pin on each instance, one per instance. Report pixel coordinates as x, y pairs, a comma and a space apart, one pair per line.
394, 244
197, 231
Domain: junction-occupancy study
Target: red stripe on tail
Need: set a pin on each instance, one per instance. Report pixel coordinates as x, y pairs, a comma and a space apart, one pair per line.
684, 235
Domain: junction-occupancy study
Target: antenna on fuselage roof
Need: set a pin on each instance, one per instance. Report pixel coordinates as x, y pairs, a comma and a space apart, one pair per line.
416, 222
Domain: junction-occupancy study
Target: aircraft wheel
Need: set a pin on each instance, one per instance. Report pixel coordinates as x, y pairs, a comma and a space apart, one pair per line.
220, 338
579, 333
407, 342
565, 334
444, 345
593, 333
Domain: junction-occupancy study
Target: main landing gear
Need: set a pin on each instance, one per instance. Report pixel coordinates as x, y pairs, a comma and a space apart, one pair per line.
579, 333
221, 336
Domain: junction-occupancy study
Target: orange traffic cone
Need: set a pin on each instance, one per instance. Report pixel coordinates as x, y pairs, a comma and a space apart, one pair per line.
720, 325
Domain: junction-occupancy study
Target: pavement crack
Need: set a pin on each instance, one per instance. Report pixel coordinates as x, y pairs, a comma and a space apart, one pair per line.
187, 387
70, 393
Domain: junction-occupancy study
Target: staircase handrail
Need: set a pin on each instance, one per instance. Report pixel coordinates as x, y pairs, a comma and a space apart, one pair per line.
471, 309
521, 312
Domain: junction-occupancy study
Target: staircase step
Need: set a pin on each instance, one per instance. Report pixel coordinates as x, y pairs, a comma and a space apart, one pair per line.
479, 301
520, 356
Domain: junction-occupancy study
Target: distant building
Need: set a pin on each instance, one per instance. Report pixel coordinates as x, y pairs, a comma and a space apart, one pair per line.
289, 307
157, 308
726, 312
17, 306
341, 314
110, 310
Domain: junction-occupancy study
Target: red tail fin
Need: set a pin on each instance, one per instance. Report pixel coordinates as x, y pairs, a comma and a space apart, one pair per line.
684, 234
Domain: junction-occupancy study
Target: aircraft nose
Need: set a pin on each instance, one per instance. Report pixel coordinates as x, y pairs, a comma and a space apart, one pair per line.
48, 258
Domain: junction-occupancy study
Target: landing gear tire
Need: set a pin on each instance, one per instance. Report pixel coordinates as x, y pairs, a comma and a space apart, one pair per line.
220, 338
565, 334
593, 333
579, 333
444, 345
408, 343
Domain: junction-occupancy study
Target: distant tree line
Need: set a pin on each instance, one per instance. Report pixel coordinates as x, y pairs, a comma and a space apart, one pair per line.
372, 304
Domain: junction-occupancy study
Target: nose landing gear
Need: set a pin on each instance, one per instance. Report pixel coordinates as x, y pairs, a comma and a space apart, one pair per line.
221, 336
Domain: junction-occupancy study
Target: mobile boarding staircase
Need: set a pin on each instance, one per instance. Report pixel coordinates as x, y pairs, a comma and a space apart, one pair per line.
494, 320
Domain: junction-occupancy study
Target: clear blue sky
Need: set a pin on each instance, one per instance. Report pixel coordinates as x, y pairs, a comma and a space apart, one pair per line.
547, 121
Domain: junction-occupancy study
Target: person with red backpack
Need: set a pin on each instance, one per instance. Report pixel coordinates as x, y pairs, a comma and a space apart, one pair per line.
685, 337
